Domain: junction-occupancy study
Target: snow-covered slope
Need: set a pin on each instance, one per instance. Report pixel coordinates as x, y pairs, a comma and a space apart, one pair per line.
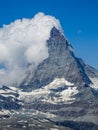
8, 91
4, 112
8, 100
58, 91
95, 83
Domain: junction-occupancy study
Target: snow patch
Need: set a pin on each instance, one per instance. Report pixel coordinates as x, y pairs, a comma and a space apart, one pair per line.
59, 90
8, 92
68, 93
95, 83
4, 112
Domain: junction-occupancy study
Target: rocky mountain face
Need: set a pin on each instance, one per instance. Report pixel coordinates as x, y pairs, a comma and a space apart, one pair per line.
62, 92
61, 63
91, 72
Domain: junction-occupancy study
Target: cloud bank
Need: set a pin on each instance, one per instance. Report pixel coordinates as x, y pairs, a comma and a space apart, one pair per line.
23, 42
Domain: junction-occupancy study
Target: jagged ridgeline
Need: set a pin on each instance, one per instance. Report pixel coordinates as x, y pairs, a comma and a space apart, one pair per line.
61, 63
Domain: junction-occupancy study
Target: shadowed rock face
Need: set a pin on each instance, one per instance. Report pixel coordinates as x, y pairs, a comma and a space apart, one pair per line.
60, 63
90, 71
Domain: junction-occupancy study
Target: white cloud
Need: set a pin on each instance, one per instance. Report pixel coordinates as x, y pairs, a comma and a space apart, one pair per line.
23, 42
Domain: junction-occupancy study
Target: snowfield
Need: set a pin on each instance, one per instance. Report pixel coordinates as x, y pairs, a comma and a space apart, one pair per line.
58, 91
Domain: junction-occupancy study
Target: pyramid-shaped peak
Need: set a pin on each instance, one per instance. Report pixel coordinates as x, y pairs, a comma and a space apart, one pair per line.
54, 32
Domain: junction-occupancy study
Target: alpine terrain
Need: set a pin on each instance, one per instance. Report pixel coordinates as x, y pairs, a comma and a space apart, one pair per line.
61, 93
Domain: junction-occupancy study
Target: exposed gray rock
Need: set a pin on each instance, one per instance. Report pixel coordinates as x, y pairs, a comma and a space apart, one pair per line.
9, 99
60, 63
90, 71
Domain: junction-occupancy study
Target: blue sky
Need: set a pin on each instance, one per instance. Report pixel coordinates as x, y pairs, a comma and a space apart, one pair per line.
79, 20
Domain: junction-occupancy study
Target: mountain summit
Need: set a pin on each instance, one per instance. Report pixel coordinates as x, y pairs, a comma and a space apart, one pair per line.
61, 63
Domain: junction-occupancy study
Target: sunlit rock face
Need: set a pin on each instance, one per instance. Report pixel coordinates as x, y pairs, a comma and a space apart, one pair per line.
61, 63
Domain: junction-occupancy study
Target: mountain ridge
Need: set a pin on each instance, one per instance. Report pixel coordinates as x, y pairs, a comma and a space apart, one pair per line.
61, 60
